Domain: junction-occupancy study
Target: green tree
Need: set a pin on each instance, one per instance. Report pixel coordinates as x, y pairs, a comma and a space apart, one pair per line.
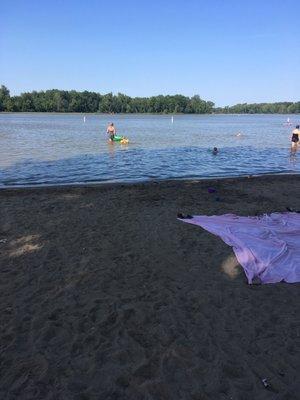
4, 98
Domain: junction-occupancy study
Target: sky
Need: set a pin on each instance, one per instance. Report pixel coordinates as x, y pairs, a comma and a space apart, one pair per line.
227, 51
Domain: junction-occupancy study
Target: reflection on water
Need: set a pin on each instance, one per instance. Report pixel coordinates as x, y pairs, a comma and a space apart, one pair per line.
111, 149
293, 158
49, 149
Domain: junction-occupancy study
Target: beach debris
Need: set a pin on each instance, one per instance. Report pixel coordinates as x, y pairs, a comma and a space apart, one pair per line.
3, 240
187, 216
265, 383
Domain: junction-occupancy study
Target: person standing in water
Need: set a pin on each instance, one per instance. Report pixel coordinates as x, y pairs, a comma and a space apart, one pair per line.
295, 137
111, 131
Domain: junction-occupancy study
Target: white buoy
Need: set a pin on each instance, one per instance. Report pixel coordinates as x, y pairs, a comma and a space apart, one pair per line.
84, 119
172, 119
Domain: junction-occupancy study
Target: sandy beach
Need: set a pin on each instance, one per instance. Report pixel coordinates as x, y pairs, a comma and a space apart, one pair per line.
104, 294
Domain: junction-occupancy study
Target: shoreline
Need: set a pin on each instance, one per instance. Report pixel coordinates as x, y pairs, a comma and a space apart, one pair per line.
111, 184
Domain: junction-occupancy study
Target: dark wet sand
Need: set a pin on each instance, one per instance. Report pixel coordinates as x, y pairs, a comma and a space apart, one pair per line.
104, 294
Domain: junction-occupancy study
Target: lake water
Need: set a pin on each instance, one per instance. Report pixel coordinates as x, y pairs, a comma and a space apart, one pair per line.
59, 149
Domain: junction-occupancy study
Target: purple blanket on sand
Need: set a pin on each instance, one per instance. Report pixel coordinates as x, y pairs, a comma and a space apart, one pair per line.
267, 247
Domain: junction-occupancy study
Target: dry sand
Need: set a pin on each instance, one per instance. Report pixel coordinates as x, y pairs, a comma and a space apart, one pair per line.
106, 295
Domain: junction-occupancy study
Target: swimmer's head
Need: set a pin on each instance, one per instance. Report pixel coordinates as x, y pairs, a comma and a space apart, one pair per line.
297, 126
111, 124
215, 149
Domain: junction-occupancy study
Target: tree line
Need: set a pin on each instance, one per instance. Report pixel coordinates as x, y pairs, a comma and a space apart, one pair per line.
90, 102
261, 108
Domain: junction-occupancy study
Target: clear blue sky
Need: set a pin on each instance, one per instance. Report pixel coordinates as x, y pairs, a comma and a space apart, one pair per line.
227, 51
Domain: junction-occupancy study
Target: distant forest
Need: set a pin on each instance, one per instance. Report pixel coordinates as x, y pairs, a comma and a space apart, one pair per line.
90, 102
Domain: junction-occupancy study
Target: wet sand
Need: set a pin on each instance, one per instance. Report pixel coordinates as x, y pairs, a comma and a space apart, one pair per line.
104, 294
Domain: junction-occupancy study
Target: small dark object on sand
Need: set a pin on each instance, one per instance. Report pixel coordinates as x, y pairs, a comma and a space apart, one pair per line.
181, 216
211, 190
265, 383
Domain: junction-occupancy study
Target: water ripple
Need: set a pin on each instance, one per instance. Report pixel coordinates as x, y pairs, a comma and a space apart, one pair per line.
43, 149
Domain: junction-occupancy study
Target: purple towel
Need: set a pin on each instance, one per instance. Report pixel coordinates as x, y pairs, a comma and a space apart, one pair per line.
267, 247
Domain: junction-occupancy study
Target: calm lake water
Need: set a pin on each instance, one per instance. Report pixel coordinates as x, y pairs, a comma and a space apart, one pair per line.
59, 149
